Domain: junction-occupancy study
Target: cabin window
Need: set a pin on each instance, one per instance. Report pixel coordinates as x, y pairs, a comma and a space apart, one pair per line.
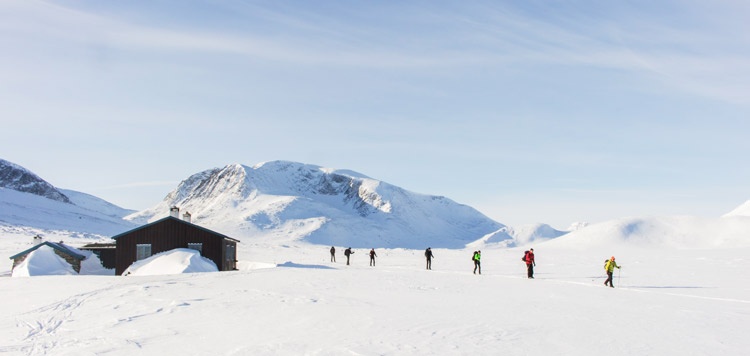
198, 246
230, 253
142, 251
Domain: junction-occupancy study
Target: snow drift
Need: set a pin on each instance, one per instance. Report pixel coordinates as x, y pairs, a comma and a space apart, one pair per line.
180, 260
43, 262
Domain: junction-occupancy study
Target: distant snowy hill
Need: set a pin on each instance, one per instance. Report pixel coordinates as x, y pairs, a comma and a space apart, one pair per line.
534, 233
25, 209
90, 202
15, 177
288, 200
655, 232
577, 226
518, 236
742, 210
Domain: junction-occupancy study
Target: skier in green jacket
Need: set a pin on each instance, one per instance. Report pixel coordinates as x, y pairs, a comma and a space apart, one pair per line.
477, 264
610, 266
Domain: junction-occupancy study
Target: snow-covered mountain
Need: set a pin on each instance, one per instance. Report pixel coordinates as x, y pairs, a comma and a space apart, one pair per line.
15, 177
291, 200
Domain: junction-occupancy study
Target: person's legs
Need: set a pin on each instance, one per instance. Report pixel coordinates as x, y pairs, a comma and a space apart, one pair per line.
608, 282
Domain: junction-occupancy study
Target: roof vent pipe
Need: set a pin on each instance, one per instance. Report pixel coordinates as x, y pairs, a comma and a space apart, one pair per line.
174, 212
186, 216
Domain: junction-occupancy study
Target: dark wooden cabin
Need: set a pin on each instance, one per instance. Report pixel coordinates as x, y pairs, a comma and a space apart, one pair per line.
170, 233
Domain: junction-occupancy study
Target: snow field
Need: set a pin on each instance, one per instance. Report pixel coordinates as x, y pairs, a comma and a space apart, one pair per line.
673, 302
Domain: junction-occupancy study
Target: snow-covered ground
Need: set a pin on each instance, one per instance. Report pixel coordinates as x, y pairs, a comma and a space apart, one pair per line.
289, 299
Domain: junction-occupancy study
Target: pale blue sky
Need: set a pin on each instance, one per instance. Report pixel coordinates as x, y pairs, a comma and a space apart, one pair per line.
530, 111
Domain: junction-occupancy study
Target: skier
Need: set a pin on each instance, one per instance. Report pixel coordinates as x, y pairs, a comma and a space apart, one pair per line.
530, 263
428, 254
372, 257
333, 254
477, 264
347, 253
610, 266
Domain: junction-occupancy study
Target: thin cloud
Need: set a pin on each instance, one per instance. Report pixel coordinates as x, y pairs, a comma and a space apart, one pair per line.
141, 184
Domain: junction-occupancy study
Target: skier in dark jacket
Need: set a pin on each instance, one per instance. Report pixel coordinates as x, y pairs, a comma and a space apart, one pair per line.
347, 253
428, 255
530, 263
372, 257
333, 254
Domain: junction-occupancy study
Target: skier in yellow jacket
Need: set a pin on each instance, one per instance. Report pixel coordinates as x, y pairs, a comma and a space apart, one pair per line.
610, 266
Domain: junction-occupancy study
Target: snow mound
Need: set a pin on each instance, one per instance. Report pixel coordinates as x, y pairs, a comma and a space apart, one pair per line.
179, 260
43, 262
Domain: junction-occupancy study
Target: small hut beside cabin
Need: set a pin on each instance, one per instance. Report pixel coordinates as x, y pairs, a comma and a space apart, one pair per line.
60, 249
106, 252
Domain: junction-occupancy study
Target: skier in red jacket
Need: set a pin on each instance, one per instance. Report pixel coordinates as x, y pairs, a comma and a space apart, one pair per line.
530, 263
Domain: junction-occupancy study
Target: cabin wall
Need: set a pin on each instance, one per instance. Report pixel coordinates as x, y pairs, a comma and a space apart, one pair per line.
165, 236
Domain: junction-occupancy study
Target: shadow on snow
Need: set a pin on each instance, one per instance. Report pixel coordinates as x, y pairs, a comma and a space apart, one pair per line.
297, 265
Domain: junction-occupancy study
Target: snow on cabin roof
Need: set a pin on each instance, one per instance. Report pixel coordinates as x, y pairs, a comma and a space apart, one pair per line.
176, 219
98, 246
55, 245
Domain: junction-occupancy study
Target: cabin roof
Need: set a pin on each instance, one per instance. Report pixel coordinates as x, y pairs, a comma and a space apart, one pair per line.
175, 219
55, 245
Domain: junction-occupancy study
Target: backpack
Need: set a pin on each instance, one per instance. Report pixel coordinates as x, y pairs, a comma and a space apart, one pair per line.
473, 254
525, 255
606, 265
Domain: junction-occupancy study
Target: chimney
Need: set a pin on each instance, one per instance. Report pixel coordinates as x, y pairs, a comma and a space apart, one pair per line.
174, 212
38, 239
186, 216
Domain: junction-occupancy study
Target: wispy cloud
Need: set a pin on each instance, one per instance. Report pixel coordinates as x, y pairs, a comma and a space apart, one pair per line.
141, 184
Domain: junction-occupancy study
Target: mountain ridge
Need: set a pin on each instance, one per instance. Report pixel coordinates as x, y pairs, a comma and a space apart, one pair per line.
282, 202
328, 206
